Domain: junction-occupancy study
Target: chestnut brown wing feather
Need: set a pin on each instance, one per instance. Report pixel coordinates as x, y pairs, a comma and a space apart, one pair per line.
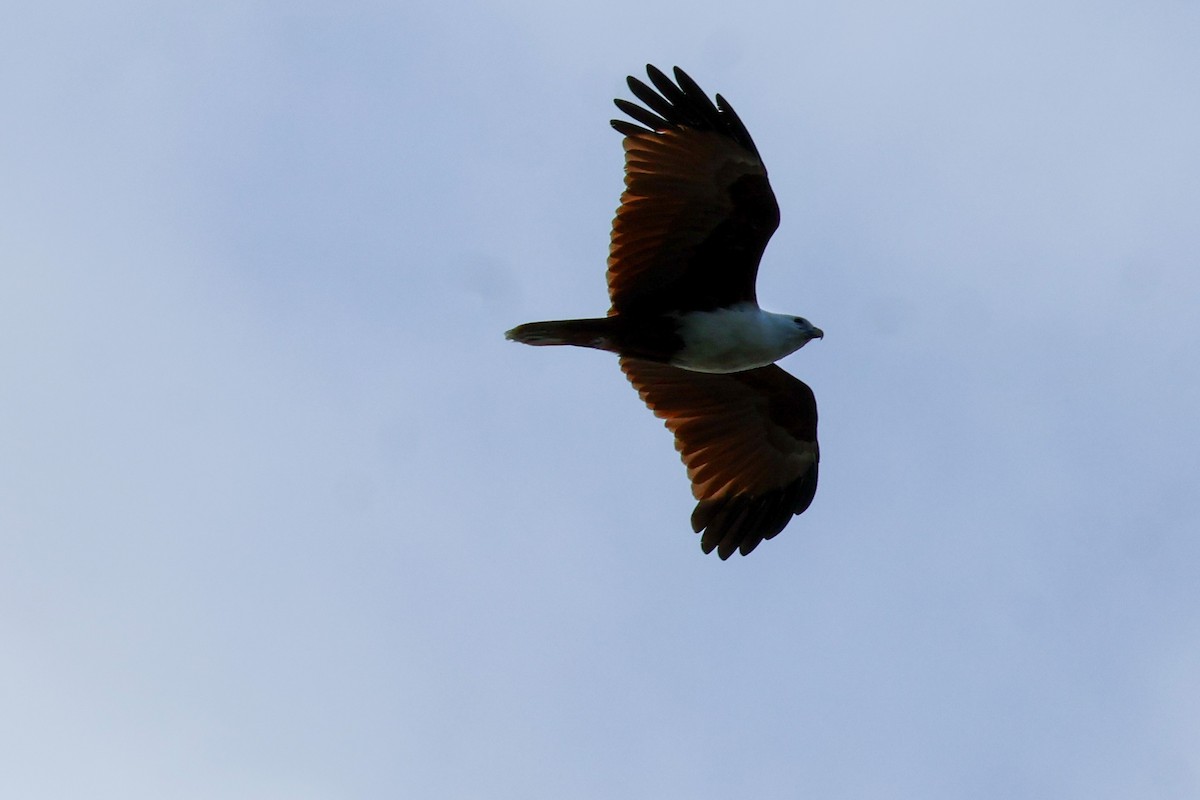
697, 210
748, 440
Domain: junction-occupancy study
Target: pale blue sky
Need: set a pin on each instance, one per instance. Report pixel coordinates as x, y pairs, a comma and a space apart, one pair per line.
282, 515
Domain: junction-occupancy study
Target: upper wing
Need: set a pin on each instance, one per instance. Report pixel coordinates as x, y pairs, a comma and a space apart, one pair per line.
749, 441
697, 210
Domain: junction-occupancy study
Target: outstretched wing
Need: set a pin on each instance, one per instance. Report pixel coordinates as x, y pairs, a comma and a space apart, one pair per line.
749, 441
697, 210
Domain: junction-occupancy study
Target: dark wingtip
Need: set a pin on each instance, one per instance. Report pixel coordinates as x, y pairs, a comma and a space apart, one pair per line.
682, 103
740, 524
683, 79
656, 74
626, 128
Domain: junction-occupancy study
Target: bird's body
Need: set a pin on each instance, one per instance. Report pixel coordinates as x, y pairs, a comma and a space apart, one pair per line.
722, 340
694, 220
738, 338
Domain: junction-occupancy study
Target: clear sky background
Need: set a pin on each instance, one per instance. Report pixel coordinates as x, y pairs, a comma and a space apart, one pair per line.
282, 515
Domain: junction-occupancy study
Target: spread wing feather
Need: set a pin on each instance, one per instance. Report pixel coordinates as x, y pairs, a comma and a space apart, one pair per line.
748, 440
697, 210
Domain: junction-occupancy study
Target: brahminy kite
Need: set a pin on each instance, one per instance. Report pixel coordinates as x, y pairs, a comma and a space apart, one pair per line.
694, 220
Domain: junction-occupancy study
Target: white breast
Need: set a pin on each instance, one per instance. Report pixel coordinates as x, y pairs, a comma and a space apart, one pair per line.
734, 339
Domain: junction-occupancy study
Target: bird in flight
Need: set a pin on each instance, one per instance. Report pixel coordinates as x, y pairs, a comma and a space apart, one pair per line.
694, 219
